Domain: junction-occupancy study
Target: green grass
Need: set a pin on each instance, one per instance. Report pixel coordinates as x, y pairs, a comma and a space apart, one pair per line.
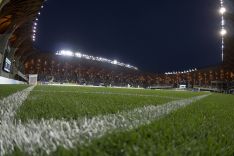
171, 93
6, 90
74, 102
203, 128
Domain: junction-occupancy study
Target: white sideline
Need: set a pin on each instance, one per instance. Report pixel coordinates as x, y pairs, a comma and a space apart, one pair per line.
47, 135
10, 104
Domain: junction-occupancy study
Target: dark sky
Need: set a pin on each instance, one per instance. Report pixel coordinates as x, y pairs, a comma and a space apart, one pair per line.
154, 35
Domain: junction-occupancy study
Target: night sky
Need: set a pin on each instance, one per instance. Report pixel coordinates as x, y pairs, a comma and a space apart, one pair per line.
156, 36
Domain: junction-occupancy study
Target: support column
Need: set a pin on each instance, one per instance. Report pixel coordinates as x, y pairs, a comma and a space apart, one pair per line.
4, 38
14, 69
3, 3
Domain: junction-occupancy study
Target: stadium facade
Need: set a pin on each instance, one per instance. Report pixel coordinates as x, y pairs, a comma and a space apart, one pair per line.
18, 56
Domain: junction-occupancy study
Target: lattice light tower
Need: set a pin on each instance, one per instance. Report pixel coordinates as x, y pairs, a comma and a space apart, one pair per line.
223, 31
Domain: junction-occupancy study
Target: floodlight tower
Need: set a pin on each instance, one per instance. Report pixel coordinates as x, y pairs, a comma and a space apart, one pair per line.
223, 31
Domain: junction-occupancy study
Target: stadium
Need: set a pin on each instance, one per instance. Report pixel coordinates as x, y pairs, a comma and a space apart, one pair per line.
71, 103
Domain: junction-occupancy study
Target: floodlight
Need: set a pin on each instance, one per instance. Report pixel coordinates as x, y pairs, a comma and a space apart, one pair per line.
222, 10
100, 59
223, 32
115, 62
67, 53
78, 55
222, 22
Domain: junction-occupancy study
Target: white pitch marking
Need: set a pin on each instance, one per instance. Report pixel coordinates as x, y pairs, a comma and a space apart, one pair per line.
10, 104
47, 135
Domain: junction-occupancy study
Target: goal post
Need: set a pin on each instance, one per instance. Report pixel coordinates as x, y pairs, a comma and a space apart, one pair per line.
33, 79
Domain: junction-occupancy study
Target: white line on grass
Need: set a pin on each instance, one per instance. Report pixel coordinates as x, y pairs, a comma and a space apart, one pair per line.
47, 135
10, 104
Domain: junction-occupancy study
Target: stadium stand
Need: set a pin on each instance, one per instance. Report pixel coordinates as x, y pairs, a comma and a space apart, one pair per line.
19, 57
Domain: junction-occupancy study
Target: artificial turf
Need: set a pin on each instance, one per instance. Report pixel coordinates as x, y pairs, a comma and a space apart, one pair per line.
6, 90
203, 128
170, 93
55, 102
73, 102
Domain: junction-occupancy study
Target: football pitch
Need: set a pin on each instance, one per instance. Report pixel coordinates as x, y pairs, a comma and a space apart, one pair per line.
60, 120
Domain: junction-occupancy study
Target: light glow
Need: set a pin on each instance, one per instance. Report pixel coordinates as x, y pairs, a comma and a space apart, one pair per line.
181, 72
115, 62
222, 10
78, 55
67, 53
34, 27
223, 32
99, 59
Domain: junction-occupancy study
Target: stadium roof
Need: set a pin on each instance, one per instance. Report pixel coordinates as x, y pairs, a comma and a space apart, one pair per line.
16, 22
17, 26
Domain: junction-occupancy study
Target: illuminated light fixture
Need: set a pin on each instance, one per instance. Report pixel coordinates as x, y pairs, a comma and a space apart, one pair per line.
99, 59
115, 62
222, 10
223, 32
222, 22
35, 23
181, 72
67, 53
78, 55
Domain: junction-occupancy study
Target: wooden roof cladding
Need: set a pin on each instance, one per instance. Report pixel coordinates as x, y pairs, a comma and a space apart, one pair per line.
4, 23
17, 18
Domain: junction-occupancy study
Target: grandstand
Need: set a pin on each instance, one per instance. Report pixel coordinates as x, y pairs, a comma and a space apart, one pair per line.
19, 57
59, 69
76, 119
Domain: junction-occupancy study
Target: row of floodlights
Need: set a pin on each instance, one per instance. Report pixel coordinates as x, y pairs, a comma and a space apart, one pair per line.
34, 28
222, 11
223, 32
88, 57
181, 72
